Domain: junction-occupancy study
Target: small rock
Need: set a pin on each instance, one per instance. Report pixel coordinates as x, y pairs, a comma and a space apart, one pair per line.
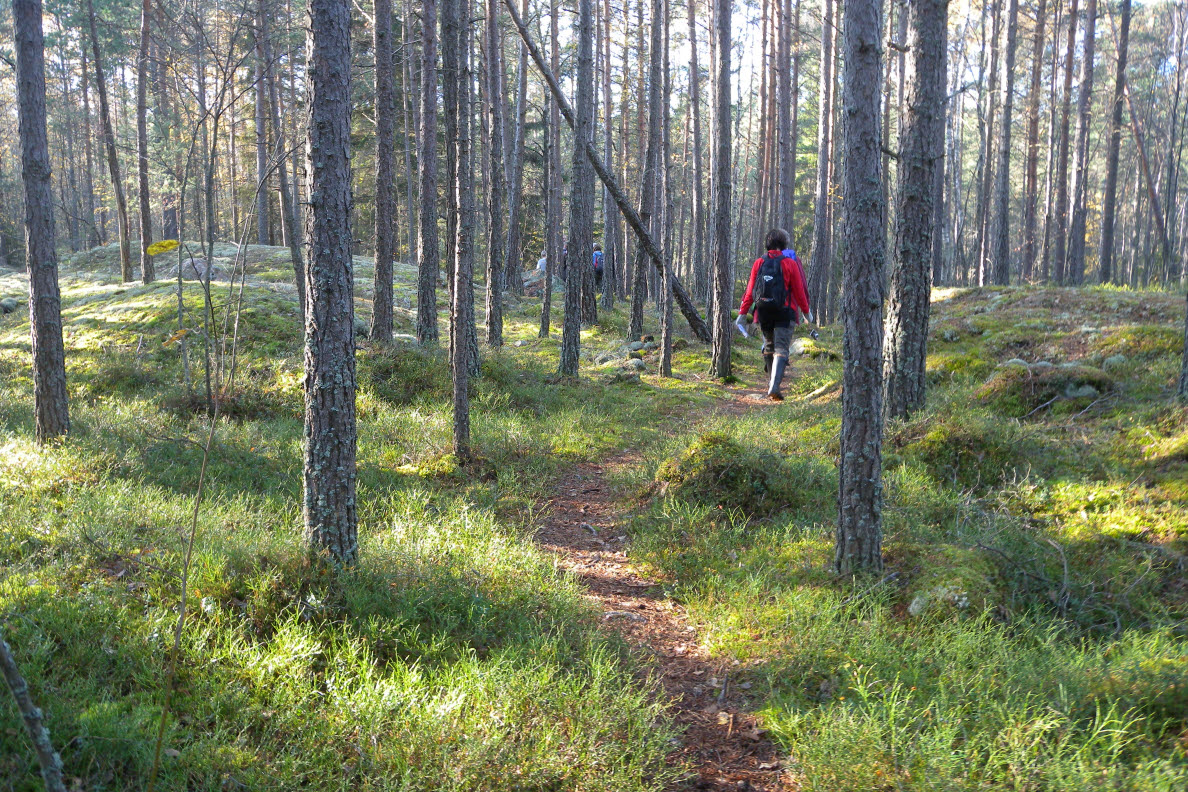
9, 305
635, 346
950, 335
651, 345
1015, 362
619, 614
1043, 364
637, 364
799, 347
635, 355
521, 343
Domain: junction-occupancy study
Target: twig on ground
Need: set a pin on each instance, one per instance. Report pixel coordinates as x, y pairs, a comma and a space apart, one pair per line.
1048, 403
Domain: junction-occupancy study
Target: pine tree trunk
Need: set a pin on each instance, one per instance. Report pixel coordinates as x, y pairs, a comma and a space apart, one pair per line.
385, 186
921, 152
288, 201
723, 269
427, 247
462, 305
794, 142
820, 253
262, 236
554, 244
113, 164
610, 214
146, 212
514, 253
1106, 256
50, 410
666, 276
1002, 198
581, 196
784, 115
93, 234
1060, 220
495, 256
651, 175
1076, 242
986, 177
1031, 185
700, 268
858, 546
330, 433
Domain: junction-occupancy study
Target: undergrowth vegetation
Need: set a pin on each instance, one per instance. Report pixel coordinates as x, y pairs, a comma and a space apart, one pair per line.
1028, 634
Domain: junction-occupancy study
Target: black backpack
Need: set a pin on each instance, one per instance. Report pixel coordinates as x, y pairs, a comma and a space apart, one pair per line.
771, 293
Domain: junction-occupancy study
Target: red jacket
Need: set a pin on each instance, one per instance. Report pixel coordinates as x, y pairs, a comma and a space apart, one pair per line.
793, 280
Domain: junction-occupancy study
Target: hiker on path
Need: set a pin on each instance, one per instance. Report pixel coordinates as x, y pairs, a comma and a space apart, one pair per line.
778, 295
598, 263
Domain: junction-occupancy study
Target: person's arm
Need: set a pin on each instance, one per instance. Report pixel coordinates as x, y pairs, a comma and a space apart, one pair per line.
745, 308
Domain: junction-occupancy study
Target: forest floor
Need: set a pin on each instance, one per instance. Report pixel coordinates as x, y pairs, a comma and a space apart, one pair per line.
629, 590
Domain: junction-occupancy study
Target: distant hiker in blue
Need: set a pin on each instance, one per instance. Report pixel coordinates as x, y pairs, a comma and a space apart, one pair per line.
598, 262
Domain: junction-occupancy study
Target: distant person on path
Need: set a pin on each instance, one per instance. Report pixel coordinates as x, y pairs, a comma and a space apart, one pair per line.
542, 262
778, 295
598, 262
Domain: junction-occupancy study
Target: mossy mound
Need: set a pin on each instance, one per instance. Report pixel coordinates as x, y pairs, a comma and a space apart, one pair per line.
1017, 390
403, 374
947, 366
716, 470
946, 580
1141, 342
970, 451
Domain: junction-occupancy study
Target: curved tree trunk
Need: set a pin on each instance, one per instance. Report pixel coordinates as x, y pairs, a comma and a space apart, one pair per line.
50, 409
858, 545
329, 470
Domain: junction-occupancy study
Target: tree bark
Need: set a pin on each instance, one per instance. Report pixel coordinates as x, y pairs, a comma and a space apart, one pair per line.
1076, 243
986, 176
462, 308
385, 187
581, 196
113, 164
1109, 211
1031, 183
822, 231
427, 252
1060, 221
921, 153
47, 757
610, 217
1002, 210
700, 270
288, 200
495, 257
651, 176
553, 231
93, 235
146, 212
514, 254
784, 115
50, 409
723, 270
262, 235
858, 546
330, 433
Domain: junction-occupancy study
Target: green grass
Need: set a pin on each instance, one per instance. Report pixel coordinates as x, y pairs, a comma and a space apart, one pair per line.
1030, 637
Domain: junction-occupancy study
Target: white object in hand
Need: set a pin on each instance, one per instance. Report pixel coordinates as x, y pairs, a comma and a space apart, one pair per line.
741, 327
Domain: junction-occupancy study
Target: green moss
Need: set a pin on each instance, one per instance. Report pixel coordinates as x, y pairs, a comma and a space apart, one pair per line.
972, 451
1017, 391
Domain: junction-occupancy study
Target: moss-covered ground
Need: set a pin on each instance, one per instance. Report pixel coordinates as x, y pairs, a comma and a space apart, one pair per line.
1029, 632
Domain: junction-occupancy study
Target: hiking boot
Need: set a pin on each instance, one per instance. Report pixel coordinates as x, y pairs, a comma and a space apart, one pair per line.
777, 376
767, 364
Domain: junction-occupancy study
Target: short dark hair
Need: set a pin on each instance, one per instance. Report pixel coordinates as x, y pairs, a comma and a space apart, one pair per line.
597, 246
777, 239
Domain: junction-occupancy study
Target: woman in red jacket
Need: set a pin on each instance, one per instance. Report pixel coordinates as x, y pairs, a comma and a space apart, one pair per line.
778, 295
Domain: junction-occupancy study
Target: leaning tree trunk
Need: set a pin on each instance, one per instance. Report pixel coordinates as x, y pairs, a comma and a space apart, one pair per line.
113, 164
1031, 180
723, 271
1109, 203
921, 150
385, 187
427, 252
819, 274
146, 213
1076, 242
330, 434
495, 256
50, 410
581, 196
1060, 220
1002, 197
858, 546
